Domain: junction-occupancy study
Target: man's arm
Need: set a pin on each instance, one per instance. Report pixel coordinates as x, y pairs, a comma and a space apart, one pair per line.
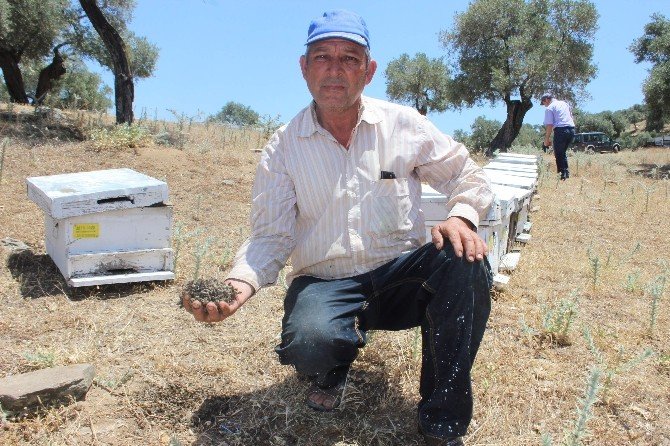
261, 257
548, 128
446, 165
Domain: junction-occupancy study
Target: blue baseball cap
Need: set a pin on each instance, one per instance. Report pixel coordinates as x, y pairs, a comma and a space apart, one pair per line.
339, 24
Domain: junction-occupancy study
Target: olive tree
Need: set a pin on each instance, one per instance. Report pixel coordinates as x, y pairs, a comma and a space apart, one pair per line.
32, 30
29, 30
654, 47
236, 114
419, 81
514, 50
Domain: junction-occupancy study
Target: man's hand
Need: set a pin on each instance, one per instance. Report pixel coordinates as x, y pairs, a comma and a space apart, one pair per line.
216, 312
463, 238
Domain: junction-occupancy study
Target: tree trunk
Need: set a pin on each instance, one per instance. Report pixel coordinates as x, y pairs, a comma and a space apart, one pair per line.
54, 71
124, 89
9, 62
516, 111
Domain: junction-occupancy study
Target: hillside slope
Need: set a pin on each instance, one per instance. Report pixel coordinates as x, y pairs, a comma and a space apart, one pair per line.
599, 258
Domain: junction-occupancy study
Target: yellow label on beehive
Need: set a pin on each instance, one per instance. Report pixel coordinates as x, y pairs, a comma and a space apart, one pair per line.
86, 230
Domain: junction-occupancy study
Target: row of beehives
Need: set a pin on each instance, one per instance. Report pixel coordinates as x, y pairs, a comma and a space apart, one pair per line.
506, 226
114, 226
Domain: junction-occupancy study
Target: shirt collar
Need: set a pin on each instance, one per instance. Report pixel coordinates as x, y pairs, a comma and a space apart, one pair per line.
369, 113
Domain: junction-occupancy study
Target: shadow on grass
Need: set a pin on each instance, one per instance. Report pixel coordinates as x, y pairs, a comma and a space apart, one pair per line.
372, 413
38, 276
653, 171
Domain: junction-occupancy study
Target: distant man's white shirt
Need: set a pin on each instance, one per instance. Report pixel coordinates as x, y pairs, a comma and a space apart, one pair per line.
558, 114
328, 208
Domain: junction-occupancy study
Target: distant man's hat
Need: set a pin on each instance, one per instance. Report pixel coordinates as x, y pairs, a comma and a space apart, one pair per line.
546, 95
339, 24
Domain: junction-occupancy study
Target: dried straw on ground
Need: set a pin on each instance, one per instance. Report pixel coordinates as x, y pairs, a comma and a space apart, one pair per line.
163, 379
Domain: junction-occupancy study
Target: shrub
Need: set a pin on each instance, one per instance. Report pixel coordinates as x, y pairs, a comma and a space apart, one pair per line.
119, 137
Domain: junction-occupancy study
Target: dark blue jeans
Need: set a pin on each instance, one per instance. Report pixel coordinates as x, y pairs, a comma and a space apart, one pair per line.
326, 321
563, 136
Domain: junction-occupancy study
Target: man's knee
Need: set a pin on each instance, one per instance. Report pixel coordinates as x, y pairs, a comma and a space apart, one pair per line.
314, 349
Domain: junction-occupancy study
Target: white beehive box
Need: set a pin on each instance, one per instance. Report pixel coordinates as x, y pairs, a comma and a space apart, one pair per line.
521, 199
433, 205
107, 226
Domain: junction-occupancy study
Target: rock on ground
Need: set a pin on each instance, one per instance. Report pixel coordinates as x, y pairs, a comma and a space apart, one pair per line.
56, 385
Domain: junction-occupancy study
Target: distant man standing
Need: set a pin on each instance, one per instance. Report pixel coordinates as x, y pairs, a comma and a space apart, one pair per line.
558, 118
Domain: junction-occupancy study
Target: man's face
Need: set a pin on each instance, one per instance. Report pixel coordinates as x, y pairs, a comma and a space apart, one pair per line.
336, 72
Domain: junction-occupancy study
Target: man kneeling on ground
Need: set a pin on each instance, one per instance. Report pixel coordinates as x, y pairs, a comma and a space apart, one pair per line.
338, 190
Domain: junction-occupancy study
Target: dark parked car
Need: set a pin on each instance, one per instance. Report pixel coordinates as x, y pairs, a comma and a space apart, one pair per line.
592, 142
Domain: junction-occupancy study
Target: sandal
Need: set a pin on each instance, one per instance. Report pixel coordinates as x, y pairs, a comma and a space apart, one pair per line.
330, 397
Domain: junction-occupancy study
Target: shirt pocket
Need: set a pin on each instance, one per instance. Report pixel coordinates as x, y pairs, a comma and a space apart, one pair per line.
390, 208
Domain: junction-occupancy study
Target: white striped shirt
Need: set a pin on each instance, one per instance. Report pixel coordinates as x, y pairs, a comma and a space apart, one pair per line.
327, 207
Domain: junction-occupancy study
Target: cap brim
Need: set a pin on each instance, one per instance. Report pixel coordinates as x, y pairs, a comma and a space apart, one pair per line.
339, 35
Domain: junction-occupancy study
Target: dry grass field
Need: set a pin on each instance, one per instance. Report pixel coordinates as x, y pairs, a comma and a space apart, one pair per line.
576, 351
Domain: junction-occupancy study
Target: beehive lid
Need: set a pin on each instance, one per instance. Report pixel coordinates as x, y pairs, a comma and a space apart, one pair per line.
514, 173
502, 165
521, 156
516, 158
81, 193
499, 177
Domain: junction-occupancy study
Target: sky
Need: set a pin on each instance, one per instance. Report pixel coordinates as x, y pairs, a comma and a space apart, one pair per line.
215, 51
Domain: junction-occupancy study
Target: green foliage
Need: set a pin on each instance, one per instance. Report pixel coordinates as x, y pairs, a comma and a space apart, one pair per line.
654, 47
269, 124
514, 50
40, 359
584, 412
3, 147
30, 27
119, 137
200, 253
633, 115
236, 114
483, 131
558, 319
80, 89
611, 123
420, 82
595, 267
502, 48
179, 237
142, 54
620, 364
656, 288
112, 383
530, 135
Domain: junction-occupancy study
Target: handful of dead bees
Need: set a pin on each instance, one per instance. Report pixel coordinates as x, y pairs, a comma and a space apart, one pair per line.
208, 290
